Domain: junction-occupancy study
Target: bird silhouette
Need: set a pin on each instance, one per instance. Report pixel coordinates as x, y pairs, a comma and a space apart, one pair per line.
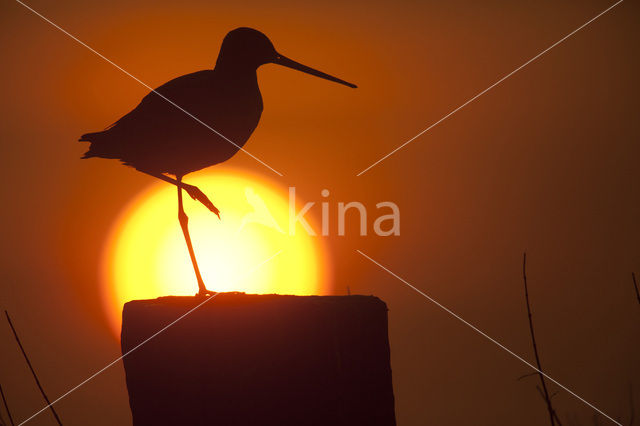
196, 121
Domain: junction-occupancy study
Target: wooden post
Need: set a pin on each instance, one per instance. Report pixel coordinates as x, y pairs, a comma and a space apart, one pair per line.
259, 360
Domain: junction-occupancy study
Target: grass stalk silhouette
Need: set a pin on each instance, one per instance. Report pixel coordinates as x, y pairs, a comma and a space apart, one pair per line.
545, 392
6, 407
632, 413
33, 372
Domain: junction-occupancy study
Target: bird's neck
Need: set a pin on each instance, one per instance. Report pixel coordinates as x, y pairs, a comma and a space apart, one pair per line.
236, 72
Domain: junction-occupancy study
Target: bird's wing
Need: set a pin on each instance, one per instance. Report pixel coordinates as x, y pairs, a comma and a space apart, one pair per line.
179, 91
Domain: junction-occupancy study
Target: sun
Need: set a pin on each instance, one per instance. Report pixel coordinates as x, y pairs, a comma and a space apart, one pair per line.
250, 250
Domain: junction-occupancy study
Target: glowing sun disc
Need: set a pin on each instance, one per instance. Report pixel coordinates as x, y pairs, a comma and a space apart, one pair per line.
146, 255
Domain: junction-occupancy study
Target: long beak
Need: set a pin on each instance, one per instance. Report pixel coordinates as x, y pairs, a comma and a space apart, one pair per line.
284, 61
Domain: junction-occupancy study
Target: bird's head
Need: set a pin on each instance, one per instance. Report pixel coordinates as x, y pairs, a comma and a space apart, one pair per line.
249, 48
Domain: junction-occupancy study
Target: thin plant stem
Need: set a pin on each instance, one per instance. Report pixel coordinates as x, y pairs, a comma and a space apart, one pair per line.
535, 346
633, 414
6, 406
26, 358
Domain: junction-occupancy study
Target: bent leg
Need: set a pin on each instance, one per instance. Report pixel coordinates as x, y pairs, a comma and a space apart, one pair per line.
184, 224
193, 191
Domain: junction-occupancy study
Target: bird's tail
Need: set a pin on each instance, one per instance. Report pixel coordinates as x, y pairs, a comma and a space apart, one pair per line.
95, 139
90, 137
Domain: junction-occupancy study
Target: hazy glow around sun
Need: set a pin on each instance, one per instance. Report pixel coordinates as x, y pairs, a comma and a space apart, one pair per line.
146, 255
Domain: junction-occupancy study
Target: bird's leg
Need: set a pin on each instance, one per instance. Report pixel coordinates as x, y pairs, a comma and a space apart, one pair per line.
184, 224
193, 191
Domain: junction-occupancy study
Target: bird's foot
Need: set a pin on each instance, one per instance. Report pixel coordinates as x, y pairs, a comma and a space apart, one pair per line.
203, 292
195, 193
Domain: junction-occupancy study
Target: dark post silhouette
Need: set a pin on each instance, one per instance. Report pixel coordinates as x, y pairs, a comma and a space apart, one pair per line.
268, 360
196, 120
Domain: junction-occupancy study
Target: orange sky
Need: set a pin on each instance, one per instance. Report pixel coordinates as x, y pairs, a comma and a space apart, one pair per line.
546, 161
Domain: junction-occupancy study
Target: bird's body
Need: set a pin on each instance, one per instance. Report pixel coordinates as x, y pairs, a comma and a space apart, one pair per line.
196, 120
158, 136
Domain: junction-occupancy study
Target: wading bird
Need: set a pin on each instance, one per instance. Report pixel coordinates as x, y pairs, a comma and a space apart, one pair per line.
196, 120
